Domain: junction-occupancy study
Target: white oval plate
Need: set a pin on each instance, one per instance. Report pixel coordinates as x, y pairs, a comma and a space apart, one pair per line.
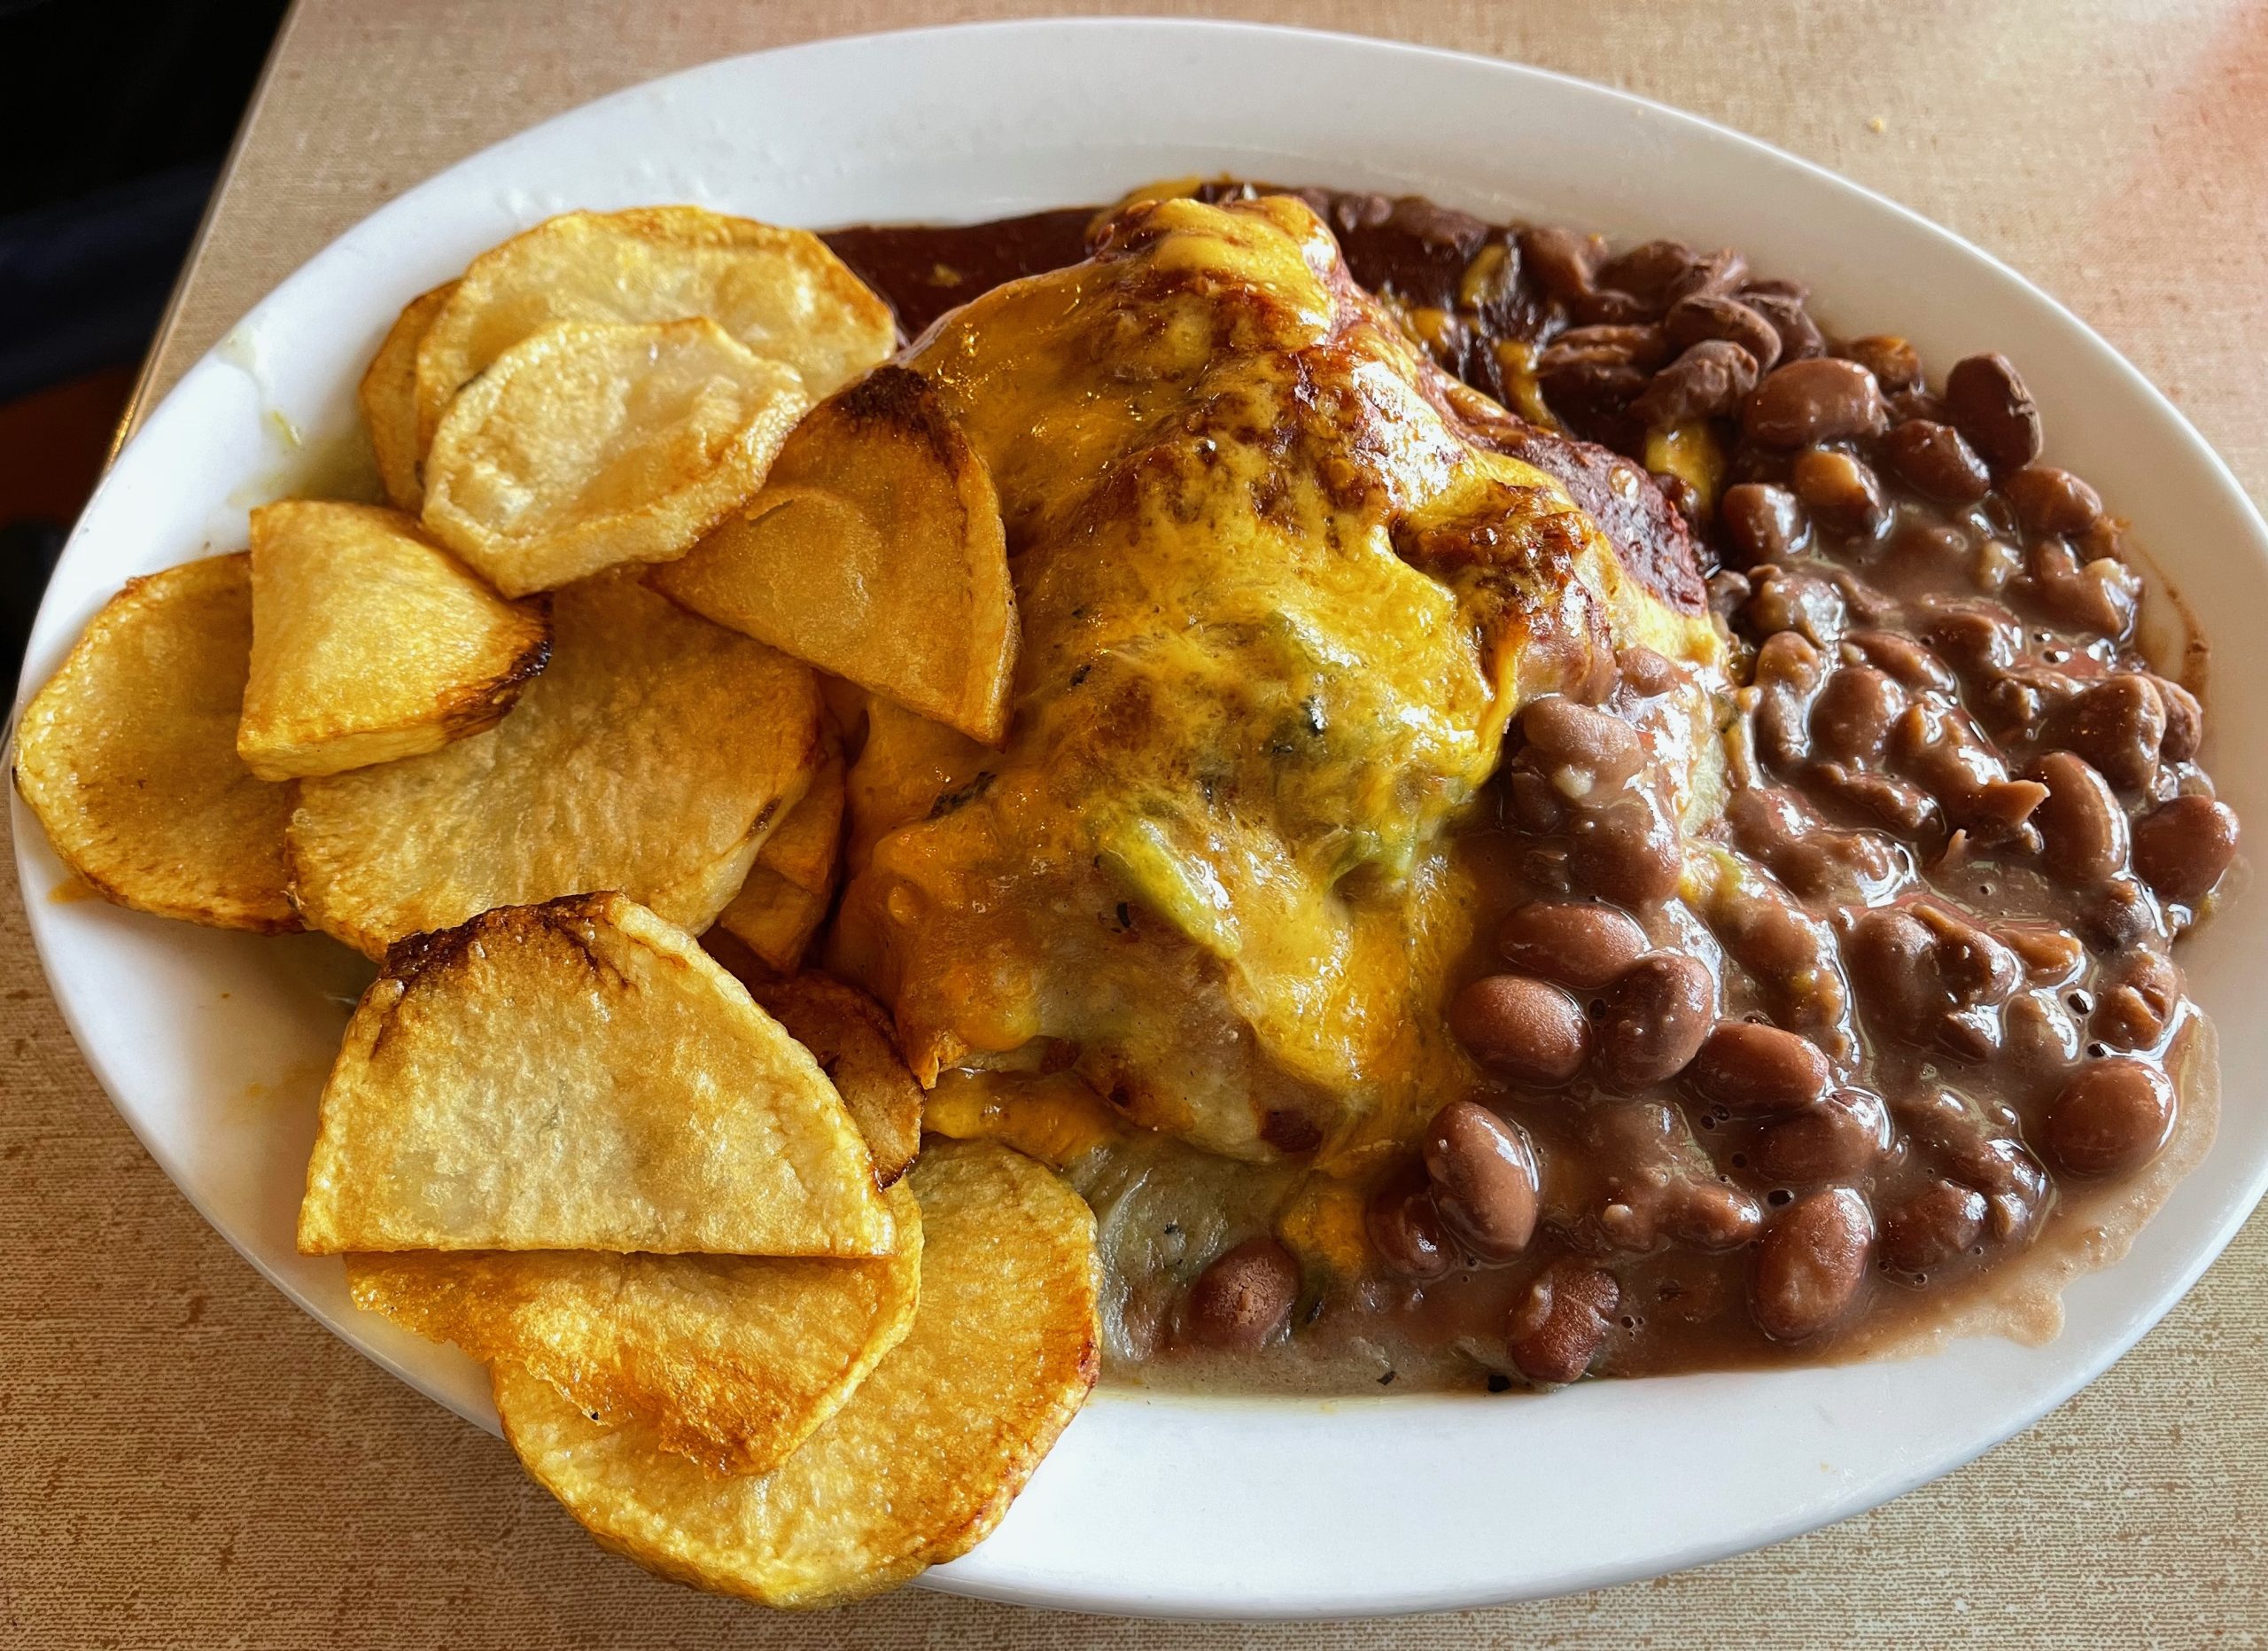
214, 1046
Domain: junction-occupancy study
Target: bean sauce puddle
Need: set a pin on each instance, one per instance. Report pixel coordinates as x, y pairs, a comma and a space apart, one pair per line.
1889, 1050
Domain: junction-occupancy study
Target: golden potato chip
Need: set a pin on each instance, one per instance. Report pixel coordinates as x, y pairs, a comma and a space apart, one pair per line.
128, 755
579, 1074
588, 445
780, 291
876, 551
652, 756
785, 897
804, 848
370, 643
388, 395
732, 1361
919, 1467
773, 918
849, 1034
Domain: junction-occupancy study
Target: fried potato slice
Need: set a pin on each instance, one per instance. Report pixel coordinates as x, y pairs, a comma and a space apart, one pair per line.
780, 291
388, 397
773, 918
592, 444
876, 551
849, 1034
780, 906
653, 756
732, 1360
580, 1075
370, 643
805, 848
128, 755
919, 1467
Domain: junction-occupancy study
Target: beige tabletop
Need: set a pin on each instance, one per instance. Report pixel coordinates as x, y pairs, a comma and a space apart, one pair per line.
186, 1461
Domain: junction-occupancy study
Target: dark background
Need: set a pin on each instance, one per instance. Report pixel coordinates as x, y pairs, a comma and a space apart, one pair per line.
114, 120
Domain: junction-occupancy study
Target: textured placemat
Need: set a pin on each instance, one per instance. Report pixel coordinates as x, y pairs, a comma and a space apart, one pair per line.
185, 1460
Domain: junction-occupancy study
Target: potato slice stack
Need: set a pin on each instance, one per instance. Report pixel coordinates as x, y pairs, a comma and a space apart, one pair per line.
731, 1322
564, 1138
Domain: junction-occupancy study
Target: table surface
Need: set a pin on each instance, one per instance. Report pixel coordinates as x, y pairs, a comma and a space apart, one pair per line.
185, 1459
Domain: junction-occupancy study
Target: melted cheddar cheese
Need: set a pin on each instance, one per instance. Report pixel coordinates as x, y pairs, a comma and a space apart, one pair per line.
1277, 606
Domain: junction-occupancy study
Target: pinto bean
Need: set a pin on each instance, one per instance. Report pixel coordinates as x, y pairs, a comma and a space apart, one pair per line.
1707, 315
2121, 913
2183, 847
1407, 1230
1646, 270
1605, 307
1516, 1023
1641, 347
1483, 1177
1727, 591
1988, 403
1573, 942
1787, 671
1889, 949
1562, 261
1585, 751
2112, 1117
2136, 998
1840, 492
1532, 801
1763, 522
1896, 364
2118, 724
1708, 275
1803, 404
1656, 1017
1758, 1070
1936, 461
1629, 851
1902, 806
1811, 1264
1645, 673
1556, 1329
2101, 595
1711, 1216
1590, 389
2038, 1036
2051, 500
2185, 720
1708, 381
2049, 955
2081, 825
1790, 953
1800, 336
1977, 637
1240, 1301
1852, 716
1904, 659
1802, 602
1931, 1225
1840, 1137
1930, 976
1970, 962
2014, 1182
1778, 828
